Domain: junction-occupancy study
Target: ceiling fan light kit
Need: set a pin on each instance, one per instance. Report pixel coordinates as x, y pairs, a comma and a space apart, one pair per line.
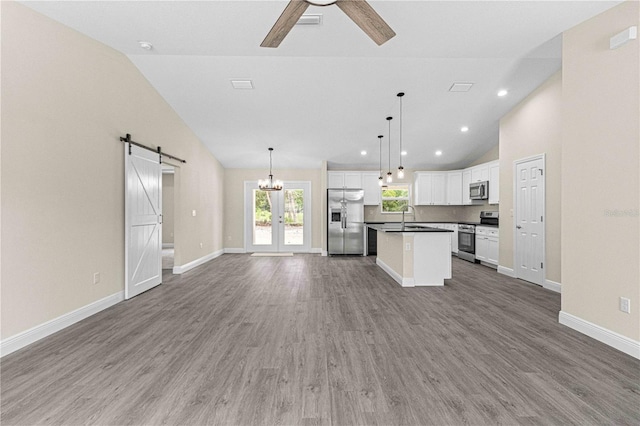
359, 11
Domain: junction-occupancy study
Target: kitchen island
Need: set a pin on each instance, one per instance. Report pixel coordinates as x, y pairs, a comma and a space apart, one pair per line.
414, 255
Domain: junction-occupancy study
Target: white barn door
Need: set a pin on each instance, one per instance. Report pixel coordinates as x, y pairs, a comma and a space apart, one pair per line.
143, 220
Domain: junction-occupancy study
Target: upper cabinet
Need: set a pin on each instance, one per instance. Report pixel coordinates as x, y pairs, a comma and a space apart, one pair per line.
344, 180
494, 182
480, 173
371, 188
449, 188
454, 188
430, 188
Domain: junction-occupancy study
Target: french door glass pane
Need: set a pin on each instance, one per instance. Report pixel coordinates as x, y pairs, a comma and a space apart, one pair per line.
262, 229
293, 217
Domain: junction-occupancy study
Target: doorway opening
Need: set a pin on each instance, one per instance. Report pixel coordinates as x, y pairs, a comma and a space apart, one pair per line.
168, 209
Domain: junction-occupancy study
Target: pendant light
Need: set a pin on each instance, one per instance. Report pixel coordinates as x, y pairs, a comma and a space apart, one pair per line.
389, 174
380, 179
270, 184
400, 168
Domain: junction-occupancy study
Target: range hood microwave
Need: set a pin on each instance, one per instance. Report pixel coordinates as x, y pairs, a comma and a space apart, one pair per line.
479, 190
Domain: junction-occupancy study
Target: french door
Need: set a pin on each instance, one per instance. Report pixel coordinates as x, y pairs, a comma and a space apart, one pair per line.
278, 221
529, 221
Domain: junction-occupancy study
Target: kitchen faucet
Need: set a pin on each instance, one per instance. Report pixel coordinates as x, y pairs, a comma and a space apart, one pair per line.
404, 211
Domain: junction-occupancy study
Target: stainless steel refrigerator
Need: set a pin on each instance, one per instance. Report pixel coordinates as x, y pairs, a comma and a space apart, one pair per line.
346, 221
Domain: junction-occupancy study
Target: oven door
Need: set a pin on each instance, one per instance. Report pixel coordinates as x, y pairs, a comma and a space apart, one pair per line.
467, 242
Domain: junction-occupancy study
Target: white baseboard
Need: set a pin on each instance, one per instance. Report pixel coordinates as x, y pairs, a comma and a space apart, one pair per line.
204, 259
506, 271
325, 253
553, 286
25, 338
404, 282
167, 245
234, 250
608, 337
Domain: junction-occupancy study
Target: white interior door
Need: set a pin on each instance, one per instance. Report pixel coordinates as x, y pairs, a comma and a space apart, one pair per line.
278, 221
529, 219
143, 220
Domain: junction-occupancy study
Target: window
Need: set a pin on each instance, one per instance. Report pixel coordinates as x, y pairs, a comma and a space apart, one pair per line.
395, 198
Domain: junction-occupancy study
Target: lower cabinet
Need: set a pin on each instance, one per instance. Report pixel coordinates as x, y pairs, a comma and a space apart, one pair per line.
487, 241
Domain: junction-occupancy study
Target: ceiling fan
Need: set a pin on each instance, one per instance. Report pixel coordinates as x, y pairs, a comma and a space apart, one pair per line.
359, 11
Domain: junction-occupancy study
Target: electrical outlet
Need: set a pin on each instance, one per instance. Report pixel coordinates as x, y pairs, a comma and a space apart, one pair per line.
96, 278
625, 305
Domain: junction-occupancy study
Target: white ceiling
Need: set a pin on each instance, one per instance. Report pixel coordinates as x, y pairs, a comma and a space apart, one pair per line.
325, 92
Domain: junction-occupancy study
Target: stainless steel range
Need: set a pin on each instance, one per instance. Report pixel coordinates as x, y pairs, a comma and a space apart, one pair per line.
467, 235
467, 242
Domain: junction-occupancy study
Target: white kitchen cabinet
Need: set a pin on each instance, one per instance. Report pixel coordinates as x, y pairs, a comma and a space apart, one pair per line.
454, 238
454, 188
480, 173
487, 242
494, 182
371, 188
344, 180
353, 180
335, 179
430, 188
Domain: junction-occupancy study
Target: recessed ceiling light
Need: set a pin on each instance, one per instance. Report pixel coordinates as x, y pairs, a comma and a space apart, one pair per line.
403, 153
145, 45
363, 152
242, 84
502, 92
464, 129
438, 153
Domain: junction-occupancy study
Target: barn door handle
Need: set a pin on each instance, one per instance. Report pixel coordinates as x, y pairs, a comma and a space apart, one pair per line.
518, 226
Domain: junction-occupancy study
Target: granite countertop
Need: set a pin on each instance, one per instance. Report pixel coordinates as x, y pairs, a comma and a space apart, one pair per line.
432, 221
408, 227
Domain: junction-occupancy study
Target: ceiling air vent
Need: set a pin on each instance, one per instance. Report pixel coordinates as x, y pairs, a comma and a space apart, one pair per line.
242, 84
460, 87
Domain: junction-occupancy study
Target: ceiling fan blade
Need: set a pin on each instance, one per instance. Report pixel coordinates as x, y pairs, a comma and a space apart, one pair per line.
367, 19
285, 22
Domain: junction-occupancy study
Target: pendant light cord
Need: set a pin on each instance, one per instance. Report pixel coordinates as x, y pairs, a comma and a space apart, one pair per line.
400, 95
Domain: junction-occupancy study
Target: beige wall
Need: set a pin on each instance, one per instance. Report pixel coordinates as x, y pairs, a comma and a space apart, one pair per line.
167, 208
234, 201
600, 172
531, 128
66, 100
491, 155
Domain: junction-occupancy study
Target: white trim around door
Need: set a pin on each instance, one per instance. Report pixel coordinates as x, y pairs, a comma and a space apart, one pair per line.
529, 219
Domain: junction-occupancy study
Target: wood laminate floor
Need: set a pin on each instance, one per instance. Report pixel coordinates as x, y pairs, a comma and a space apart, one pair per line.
310, 340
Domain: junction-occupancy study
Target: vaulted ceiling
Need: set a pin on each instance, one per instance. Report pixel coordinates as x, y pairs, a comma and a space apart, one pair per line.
325, 92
